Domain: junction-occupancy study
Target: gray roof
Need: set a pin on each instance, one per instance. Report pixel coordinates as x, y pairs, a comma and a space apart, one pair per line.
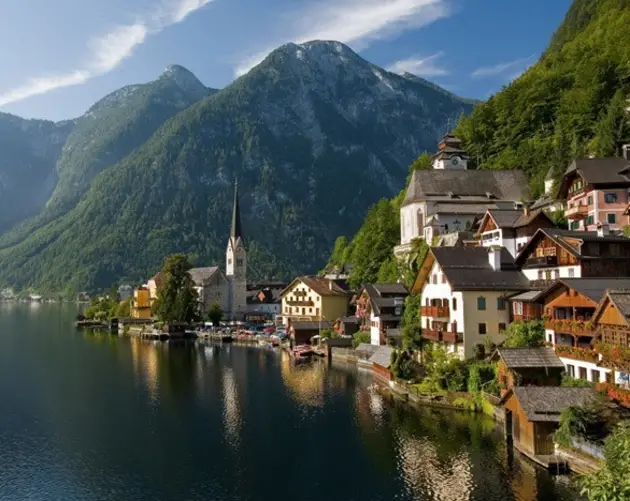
593, 288
459, 208
385, 295
510, 185
546, 403
601, 170
529, 358
468, 268
382, 356
514, 218
621, 299
201, 275
366, 347
456, 238
525, 296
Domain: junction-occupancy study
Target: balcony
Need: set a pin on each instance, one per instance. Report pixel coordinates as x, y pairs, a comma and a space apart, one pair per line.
577, 212
571, 327
453, 337
583, 354
432, 335
299, 302
541, 261
615, 335
435, 311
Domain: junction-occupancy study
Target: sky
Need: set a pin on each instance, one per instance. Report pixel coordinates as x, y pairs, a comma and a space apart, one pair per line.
58, 58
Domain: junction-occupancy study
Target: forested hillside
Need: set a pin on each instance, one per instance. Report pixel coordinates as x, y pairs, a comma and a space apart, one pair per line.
569, 104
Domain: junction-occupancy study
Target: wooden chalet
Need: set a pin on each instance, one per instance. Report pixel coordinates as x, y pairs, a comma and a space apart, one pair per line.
613, 319
554, 253
532, 415
525, 307
528, 367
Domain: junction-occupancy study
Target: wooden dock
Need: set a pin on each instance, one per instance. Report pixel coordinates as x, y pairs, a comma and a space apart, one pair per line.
552, 463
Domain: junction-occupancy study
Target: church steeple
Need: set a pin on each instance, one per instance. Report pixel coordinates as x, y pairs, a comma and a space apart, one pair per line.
236, 231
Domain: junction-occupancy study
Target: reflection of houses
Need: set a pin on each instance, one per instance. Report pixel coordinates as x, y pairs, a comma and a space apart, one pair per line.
464, 296
311, 298
553, 253
380, 308
528, 367
533, 414
449, 197
511, 228
596, 190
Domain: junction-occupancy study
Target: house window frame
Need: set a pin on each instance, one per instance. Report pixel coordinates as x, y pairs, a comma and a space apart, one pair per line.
614, 218
482, 326
610, 197
481, 303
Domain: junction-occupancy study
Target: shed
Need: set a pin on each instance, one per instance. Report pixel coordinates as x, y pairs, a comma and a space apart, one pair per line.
382, 361
302, 332
364, 351
528, 367
532, 414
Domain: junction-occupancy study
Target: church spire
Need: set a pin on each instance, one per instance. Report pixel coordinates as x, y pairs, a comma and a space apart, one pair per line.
236, 232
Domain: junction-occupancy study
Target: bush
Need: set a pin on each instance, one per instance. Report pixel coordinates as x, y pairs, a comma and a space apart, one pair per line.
360, 337
572, 382
403, 366
525, 335
445, 370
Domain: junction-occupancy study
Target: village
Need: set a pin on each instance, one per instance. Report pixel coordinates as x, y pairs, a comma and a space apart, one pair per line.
509, 314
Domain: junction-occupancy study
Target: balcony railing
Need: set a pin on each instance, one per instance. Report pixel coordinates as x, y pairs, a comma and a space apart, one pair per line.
432, 335
615, 335
576, 212
452, 337
541, 261
299, 302
435, 311
575, 353
571, 327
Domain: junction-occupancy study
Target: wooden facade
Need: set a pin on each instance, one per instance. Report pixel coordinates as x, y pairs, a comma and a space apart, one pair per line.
533, 437
547, 252
613, 325
527, 376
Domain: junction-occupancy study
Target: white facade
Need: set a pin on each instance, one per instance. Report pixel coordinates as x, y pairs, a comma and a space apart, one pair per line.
455, 162
236, 272
375, 330
547, 273
499, 237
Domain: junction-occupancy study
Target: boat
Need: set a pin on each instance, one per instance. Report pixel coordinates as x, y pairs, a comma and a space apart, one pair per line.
302, 352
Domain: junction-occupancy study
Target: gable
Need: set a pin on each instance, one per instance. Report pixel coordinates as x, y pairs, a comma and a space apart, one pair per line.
608, 313
423, 273
487, 223
564, 297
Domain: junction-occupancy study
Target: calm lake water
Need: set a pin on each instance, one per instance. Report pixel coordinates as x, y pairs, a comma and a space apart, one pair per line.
96, 418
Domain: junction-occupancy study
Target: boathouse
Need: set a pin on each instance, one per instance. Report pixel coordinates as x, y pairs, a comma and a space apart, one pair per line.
382, 361
532, 415
528, 367
302, 332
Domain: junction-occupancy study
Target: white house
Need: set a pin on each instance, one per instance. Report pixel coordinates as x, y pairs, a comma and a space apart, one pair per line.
464, 296
380, 307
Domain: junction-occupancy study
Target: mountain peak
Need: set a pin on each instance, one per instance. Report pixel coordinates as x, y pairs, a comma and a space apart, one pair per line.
184, 79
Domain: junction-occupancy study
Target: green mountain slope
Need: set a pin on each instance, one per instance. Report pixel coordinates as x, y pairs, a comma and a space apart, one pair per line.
314, 134
110, 130
28, 152
569, 104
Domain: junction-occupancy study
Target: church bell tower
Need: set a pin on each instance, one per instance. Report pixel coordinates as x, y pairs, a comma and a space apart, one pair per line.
236, 264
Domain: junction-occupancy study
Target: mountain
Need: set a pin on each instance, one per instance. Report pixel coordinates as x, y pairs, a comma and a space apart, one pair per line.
571, 103
110, 130
314, 134
29, 150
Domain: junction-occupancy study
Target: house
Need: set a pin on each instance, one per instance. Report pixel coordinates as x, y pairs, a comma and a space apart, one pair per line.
212, 286
528, 367
310, 298
465, 293
613, 320
302, 332
569, 306
449, 197
596, 191
381, 361
264, 301
553, 253
511, 229
346, 326
532, 414
380, 307
340, 272
141, 303
548, 200
525, 307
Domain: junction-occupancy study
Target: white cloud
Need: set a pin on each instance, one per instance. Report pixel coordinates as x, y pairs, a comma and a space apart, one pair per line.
421, 66
355, 22
108, 51
502, 68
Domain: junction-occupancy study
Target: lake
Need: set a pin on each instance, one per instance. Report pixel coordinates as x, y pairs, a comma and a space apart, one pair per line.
96, 417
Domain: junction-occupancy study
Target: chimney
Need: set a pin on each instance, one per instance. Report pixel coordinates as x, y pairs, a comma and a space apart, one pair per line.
494, 257
603, 230
526, 210
625, 149
330, 284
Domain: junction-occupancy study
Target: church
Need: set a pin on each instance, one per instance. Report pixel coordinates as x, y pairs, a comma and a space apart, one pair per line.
449, 196
228, 289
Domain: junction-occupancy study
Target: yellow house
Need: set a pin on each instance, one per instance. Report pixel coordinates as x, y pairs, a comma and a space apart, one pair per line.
311, 299
141, 304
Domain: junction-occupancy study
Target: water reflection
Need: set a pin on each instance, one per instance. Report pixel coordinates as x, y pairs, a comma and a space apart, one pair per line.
232, 413
145, 359
305, 381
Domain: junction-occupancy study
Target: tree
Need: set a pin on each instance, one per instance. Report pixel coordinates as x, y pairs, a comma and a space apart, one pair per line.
124, 309
612, 482
411, 323
214, 313
423, 162
360, 337
177, 299
525, 335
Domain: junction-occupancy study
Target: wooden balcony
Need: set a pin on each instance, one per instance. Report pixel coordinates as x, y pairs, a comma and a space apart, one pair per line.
576, 212
435, 311
452, 337
541, 261
432, 335
616, 335
574, 353
571, 327
299, 302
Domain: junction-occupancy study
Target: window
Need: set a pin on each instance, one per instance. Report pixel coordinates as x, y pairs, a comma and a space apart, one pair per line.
303, 311
427, 302
443, 278
571, 370
589, 220
557, 273
610, 198
239, 262
310, 310
583, 373
482, 329
481, 303
454, 304
500, 303
589, 200
230, 261
502, 326
611, 218
547, 274
435, 278
571, 273
454, 326
595, 376
540, 275
427, 323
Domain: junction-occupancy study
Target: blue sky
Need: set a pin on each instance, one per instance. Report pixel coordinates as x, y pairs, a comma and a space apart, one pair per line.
60, 57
